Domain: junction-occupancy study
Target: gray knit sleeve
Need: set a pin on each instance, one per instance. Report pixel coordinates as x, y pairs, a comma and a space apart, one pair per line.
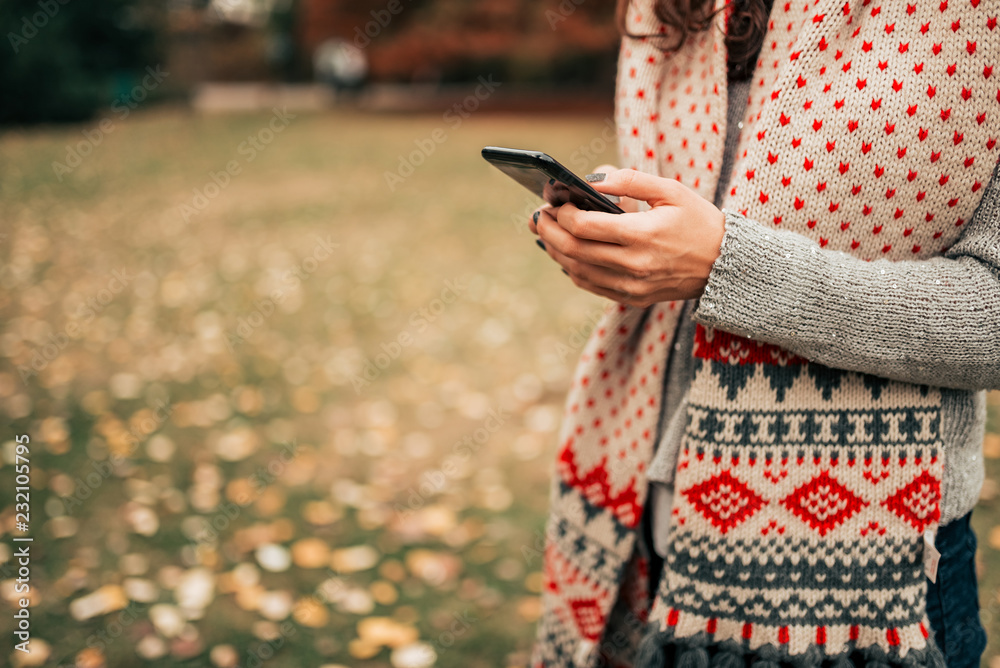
933, 321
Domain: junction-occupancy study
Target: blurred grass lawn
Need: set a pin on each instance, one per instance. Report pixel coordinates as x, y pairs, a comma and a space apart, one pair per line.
249, 332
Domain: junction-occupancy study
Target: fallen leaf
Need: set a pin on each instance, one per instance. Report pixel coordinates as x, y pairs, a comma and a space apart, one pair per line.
383, 592
385, 631
275, 605
994, 538
991, 446
274, 558
320, 513
359, 649
310, 612
310, 553
90, 658
354, 559
530, 608
100, 602
38, 654
417, 655
224, 656
434, 568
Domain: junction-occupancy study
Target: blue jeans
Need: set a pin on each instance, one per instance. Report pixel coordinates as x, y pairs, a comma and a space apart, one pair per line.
953, 601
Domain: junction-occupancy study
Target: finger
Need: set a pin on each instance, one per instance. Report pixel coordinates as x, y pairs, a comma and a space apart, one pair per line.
596, 275
533, 220
626, 204
544, 214
584, 284
610, 228
556, 237
638, 185
614, 295
629, 205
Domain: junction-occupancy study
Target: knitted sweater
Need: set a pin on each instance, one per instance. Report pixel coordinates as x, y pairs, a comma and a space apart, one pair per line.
964, 409
867, 145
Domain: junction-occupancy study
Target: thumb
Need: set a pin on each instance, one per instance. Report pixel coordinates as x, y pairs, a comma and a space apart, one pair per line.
655, 190
626, 204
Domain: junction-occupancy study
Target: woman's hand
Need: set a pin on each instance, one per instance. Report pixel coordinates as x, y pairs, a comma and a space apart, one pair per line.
634, 258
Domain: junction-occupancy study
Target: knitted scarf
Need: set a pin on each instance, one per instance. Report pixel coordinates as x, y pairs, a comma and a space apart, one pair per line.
802, 493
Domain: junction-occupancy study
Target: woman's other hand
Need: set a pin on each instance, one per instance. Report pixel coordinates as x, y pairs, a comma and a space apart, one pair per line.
636, 258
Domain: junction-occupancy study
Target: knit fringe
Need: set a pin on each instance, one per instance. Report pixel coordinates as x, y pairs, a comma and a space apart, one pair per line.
659, 649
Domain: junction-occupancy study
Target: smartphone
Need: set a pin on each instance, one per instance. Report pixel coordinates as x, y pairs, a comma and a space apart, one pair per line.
545, 177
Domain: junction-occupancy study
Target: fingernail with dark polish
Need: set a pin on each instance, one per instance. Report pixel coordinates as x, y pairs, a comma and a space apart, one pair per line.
595, 178
565, 272
534, 217
541, 244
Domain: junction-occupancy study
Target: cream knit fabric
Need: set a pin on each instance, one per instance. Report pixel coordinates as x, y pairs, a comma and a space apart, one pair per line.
869, 132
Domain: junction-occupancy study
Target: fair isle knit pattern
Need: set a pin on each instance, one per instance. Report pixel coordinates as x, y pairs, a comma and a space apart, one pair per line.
799, 520
802, 492
598, 495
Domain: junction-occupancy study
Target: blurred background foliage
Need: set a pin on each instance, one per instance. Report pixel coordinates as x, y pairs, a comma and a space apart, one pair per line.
64, 60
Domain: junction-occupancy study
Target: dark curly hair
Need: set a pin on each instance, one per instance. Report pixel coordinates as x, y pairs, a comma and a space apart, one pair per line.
744, 37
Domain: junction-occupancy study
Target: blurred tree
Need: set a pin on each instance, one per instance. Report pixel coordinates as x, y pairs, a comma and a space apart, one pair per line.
62, 60
526, 41
281, 51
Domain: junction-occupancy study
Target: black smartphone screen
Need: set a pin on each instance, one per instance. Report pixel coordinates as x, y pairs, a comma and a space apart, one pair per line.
545, 177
